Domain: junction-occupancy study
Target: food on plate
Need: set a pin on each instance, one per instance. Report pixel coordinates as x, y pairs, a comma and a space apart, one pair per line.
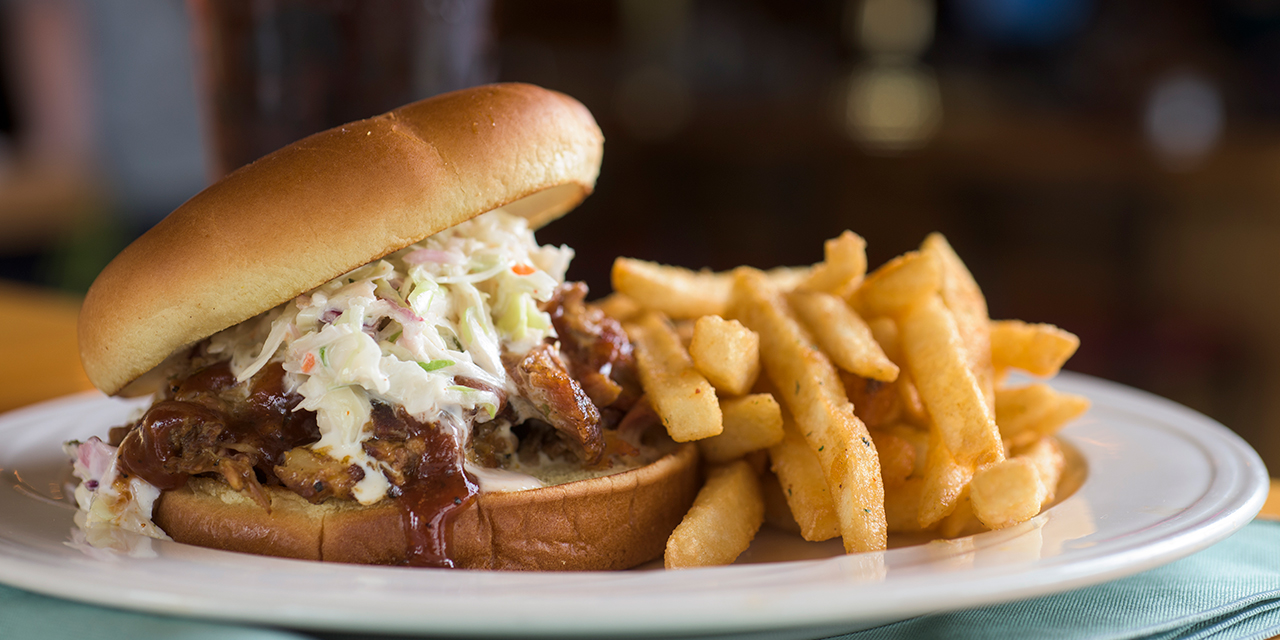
681, 294
723, 520
360, 353
677, 293
937, 356
1028, 413
1039, 349
893, 413
726, 352
898, 284
751, 423
944, 481
683, 399
843, 335
843, 265
804, 485
809, 387
1015, 489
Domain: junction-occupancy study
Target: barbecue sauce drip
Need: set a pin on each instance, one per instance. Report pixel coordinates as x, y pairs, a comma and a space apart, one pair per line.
435, 488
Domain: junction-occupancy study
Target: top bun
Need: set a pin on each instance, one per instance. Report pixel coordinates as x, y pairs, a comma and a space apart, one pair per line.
328, 204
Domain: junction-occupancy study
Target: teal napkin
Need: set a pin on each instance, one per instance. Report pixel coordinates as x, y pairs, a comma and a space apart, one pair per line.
1231, 590
28, 616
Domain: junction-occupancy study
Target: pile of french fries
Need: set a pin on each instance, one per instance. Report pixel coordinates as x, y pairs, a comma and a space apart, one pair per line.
882, 407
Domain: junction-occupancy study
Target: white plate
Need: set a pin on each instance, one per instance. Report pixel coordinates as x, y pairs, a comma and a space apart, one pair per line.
1162, 483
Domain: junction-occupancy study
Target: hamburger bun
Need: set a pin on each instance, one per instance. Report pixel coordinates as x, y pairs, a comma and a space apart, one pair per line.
328, 204
604, 523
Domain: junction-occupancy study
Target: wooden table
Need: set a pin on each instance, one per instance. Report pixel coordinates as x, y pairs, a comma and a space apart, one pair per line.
39, 359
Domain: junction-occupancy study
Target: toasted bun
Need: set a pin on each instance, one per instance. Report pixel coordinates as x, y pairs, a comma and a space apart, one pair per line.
327, 204
612, 522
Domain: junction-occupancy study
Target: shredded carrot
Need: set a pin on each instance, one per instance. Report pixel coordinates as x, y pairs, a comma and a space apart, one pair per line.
308, 362
522, 269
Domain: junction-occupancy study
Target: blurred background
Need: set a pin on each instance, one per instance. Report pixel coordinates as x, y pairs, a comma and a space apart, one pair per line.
1111, 167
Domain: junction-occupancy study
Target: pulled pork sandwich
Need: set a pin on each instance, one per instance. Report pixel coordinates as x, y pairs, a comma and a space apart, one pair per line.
359, 353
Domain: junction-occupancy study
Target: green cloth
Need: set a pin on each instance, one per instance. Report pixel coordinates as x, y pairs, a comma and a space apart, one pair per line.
1231, 590
29, 616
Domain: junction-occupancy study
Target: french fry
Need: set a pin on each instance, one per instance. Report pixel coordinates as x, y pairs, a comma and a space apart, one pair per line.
777, 513
1039, 349
677, 292
1028, 413
843, 266
843, 336
962, 522
885, 331
918, 439
913, 409
877, 404
758, 460
619, 307
1017, 489
786, 278
804, 485
902, 506
681, 396
721, 523
937, 359
684, 330
1046, 454
751, 423
685, 294
1007, 493
897, 457
727, 353
963, 297
898, 284
811, 390
944, 482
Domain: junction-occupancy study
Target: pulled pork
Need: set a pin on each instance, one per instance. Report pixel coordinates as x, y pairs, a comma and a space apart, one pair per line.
544, 381
207, 423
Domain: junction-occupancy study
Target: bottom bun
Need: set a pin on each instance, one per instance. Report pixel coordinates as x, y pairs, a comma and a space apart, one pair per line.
611, 522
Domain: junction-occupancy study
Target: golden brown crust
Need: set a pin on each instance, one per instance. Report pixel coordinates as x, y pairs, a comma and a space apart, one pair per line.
613, 522
327, 204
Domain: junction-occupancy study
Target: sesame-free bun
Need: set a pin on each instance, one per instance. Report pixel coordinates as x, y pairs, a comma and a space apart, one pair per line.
327, 204
611, 522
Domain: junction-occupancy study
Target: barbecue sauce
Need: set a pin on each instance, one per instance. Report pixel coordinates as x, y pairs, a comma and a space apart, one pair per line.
151, 450
435, 489
203, 420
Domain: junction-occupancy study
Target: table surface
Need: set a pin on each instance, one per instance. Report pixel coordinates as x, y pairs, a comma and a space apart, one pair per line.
39, 358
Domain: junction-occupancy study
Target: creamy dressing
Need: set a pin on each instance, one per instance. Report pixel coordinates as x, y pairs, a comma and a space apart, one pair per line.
108, 502
492, 480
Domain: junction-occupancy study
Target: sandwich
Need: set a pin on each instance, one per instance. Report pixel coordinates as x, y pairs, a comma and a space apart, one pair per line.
358, 352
